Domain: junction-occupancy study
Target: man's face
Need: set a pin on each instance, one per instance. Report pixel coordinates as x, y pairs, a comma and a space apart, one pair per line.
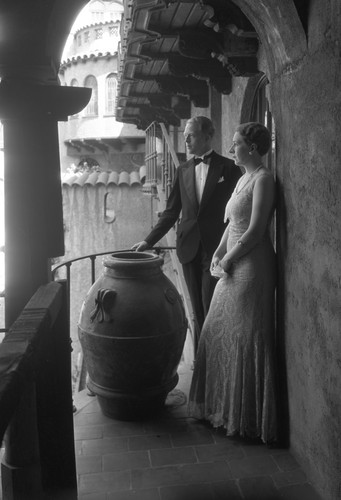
197, 142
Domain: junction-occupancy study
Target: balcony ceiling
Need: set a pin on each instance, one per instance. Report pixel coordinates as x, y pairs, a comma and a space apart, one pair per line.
171, 51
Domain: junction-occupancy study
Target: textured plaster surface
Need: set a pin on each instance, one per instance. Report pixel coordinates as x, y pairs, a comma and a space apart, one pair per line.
306, 105
307, 112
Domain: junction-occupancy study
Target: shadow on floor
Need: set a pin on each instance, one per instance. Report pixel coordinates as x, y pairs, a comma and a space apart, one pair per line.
173, 457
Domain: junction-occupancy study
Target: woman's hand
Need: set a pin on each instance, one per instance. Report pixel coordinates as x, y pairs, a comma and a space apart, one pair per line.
226, 264
215, 269
215, 261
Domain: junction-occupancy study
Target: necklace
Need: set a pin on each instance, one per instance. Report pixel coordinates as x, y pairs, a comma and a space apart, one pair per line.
248, 178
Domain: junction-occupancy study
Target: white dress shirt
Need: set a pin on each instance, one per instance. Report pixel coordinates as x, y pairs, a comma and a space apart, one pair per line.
201, 171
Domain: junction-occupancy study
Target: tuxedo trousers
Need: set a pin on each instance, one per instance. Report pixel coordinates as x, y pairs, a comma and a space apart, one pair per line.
200, 285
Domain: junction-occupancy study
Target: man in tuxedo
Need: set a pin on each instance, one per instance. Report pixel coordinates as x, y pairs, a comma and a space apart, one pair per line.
202, 187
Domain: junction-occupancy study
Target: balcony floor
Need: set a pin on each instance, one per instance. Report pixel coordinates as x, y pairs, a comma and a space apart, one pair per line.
174, 457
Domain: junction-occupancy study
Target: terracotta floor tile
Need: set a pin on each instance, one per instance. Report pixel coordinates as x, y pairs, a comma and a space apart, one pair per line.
187, 492
93, 418
173, 456
88, 432
255, 450
149, 494
104, 446
126, 460
156, 476
299, 492
193, 437
223, 490
191, 474
218, 451
104, 482
259, 488
285, 461
89, 464
205, 472
226, 490
253, 466
149, 442
286, 478
93, 496
116, 429
167, 426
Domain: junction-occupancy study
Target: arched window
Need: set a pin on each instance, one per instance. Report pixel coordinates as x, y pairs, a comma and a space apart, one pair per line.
92, 107
261, 112
110, 94
88, 164
74, 83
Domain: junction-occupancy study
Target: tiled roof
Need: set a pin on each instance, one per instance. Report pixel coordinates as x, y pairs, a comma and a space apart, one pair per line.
105, 178
95, 24
84, 56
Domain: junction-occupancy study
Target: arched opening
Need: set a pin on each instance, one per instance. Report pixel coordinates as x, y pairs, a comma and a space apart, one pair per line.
261, 112
110, 94
92, 107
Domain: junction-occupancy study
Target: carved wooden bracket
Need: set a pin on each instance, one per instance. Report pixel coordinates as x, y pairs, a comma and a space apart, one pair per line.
199, 44
179, 49
211, 69
196, 90
180, 105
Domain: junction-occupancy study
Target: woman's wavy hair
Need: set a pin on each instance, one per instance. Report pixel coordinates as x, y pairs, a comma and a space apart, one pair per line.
256, 133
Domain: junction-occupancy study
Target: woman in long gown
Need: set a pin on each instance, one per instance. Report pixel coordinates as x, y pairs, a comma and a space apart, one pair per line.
233, 382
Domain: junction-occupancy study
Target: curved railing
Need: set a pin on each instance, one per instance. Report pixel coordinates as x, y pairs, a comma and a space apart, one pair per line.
67, 264
92, 257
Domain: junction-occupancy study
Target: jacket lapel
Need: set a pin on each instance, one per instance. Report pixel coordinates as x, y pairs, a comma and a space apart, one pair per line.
189, 183
214, 173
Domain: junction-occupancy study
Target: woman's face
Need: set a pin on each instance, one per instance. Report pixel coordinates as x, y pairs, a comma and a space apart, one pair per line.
240, 150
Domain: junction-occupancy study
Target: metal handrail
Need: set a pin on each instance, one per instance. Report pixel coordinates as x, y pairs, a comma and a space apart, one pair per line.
93, 256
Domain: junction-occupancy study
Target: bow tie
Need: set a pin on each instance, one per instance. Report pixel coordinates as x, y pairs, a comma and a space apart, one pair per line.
204, 159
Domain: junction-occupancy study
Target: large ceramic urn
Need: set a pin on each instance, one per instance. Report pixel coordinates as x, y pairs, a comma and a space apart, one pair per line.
132, 329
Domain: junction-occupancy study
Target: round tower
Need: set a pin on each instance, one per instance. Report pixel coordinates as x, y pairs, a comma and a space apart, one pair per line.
93, 139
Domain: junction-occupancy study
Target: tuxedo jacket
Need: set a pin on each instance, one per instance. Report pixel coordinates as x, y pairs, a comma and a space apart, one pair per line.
199, 222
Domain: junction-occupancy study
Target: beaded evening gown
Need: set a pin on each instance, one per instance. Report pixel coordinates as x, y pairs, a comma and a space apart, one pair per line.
233, 381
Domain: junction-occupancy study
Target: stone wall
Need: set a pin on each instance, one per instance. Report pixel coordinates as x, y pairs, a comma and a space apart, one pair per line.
300, 54
307, 110
302, 62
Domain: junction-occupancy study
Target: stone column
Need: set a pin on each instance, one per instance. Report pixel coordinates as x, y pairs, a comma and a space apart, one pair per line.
33, 200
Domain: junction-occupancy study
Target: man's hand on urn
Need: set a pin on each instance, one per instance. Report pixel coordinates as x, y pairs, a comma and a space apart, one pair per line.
140, 246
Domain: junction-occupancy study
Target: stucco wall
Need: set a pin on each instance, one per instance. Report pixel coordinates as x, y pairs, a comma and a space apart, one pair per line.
231, 113
307, 110
305, 80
